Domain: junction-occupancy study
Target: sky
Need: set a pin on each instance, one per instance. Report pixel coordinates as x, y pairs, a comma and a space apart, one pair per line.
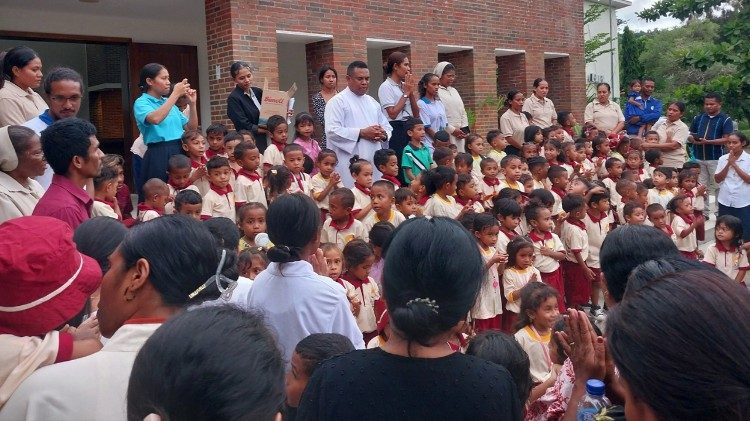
637, 24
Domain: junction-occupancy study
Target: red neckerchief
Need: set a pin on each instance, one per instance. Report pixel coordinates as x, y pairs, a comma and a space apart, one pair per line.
491, 181
392, 179
596, 219
575, 165
423, 201
210, 153
537, 239
461, 201
221, 192
723, 249
602, 156
252, 175
106, 202
667, 230
279, 146
194, 164
553, 162
356, 283
299, 181
577, 223
570, 131
558, 192
612, 178
510, 234
687, 218
348, 224
688, 193
145, 321
364, 190
142, 207
172, 183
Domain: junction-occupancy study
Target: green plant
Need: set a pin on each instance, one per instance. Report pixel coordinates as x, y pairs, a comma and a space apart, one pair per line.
471, 115
592, 47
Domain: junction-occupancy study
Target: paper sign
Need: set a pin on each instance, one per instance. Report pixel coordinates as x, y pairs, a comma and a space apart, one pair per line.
274, 102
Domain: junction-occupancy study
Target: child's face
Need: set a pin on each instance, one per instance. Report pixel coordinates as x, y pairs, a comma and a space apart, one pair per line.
390, 167
408, 207
724, 233
615, 171
468, 191
446, 162
180, 177
543, 222
326, 166
294, 161
580, 155
659, 179
499, 143
623, 148
634, 161
229, 148
513, 169
674, 181
381, 199
636, 87
250, 160
695, 172
296, 381
637, 217
540, 172
215, 141
476, 146
604, 149
462, 168
305, 129
160, 200
530, 151
195, 147
643, 197
257, 265
570, 153
120, 176
509, 222
652, 138
110, 190
364, 178
253, 223
449, 189
248, 138
362, 270
219, 177
550, 153
557, 135
629, 194
601, 206
417, 187
588, 149
528, 185
416, 134
337, 210
577, 186
658, 218
488, 235
490, 170
545, 316
280, 133
685, 207
334, 262
539, 137
525, 257
689, 183
561, 182
191, 210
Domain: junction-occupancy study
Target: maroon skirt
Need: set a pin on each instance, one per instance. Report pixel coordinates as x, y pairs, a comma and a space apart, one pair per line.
689, 255
555, 280
509, 319
495, 323
577, 288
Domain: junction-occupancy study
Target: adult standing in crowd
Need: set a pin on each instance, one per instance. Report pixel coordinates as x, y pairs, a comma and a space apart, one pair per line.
637, 117
673, 135
398, 98
513, 121
605, 114
145, 285
541, 108
72, 150
159, 120
64, 90
458, 120
243, 103
355, 123
328, 78
431, 108
708, 135
21, 159
733, 176
22, 73
429, 289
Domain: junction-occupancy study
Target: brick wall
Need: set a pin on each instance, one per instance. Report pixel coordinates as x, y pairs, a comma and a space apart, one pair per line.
245, 30
105, 108
557, 72
318, 54
464, 84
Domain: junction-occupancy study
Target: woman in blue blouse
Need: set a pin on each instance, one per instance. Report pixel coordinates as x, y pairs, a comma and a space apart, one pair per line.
159, 120
431, 109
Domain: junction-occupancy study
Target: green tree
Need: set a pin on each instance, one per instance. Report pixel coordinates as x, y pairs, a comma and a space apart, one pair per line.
631, 66
592, 47
729, 47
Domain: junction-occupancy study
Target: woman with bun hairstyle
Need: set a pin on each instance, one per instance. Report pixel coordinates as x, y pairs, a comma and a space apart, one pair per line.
21, 70
294, 292
429, 289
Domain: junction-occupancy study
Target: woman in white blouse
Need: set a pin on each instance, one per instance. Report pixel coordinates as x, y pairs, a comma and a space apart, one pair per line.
21, 159
458, 121
604, 114
541, 108
21, 74
733, 176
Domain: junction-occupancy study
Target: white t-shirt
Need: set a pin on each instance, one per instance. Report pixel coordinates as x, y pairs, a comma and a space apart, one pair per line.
596, 231
355, 229
219, 205
729, 262
489, 301
688, 243
437, 206
395, 218
733, 191
513, 280
546, 264
575, 239
367, 296
317, 185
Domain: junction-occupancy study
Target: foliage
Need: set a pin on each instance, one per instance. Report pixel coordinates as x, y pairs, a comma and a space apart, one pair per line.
592, 47
631, 65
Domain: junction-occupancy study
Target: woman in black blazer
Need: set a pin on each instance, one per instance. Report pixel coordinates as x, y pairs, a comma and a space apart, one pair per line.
243, 104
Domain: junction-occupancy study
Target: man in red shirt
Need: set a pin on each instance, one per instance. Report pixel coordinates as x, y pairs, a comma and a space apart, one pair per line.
72, 150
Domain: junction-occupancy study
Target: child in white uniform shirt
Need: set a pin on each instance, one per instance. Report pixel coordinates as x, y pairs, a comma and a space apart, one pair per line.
440, 183
358, 260
519, 272
219, 200
488, 309
277, 132
325, 181
341, 226
294, 160
726, 254
684, 223
249, 184
361, 171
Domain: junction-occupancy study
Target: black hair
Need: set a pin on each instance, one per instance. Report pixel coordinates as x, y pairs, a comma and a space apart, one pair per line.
422, 86
492, 135
187, 197
503, 349
742, 137
189, 135
599, 141
530, 132
562, 117
396, 57
630, 207
322, 72
387, 185
382, 156
623, 184
463, 180
506, 207
441, 153
303, 117
380, 233
485, 162
411, 122
467, 220
598, 197
571, 202
690, 165
243, 381
735, 225
648, 271
443, 136
319, 347
675, 202
224, 231
346, 195
177, 162
653, 208
507, 159
149, 71
19, 56
628, 246
511, 94
217, 128
533, 295
98, 237
247, 207
507, 193
713, 95
667, 171
217, 162
542, 196
404, 193
610, 162
532, 211
651, 337
106, 174
235, 68
357, 164
438, 177
484, 220
536, 162
556, 171
357, 64
65, 139
246, 257
239, 150
292, 222
233, 135
20, 138
174, 275
324, 153
683, 175
463, 158
59, 74
514, 246
356, 252
277, 180
292, 147
428, 287
275, 121
652, 155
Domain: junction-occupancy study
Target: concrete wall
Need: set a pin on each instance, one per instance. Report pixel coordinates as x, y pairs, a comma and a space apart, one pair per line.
607, 66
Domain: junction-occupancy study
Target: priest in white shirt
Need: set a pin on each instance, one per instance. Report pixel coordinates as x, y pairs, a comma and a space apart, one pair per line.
354, 122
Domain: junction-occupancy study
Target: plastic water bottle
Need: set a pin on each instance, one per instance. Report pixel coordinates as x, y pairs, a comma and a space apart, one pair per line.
593, 401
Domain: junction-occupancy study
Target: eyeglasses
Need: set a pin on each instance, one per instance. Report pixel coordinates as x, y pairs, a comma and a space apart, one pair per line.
63, 99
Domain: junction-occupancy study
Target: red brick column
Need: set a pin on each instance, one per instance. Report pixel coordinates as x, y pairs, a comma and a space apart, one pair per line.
557, 74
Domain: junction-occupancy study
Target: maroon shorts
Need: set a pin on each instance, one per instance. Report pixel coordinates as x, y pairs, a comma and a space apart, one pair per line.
509, 320
555, 280
577, 288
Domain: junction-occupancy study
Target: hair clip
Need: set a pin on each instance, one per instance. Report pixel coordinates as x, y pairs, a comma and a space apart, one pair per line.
217, 278
432, 304
274, 172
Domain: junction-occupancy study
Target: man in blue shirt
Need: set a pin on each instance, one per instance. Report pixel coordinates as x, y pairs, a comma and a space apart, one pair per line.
708, 135
636, 117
